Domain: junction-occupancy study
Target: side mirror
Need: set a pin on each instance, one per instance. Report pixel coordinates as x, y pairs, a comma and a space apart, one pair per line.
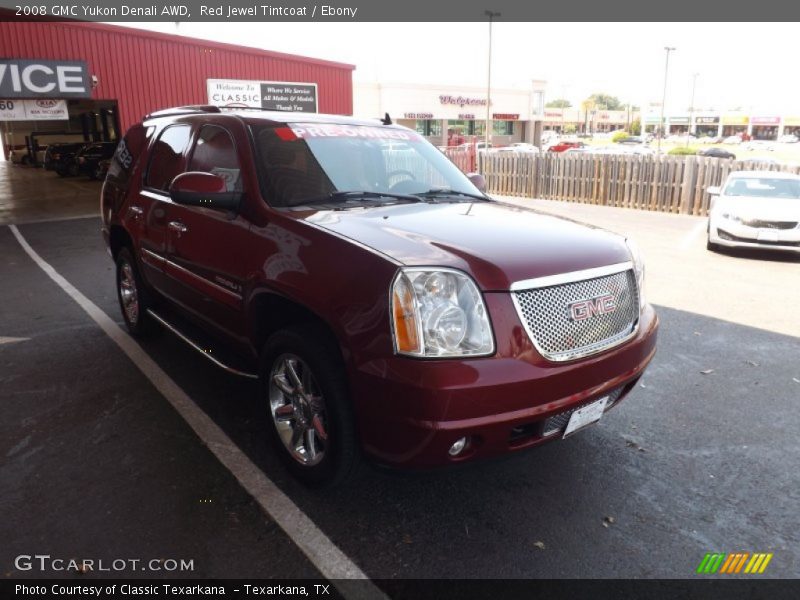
196, 188
714, 190
478, 181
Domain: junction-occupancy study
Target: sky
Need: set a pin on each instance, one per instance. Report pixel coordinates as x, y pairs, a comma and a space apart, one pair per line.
739, 65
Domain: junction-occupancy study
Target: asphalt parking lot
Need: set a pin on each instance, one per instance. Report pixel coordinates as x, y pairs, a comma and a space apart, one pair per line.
702, 457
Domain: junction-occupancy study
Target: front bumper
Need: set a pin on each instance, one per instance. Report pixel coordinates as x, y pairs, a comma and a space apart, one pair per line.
737, 235
411, 411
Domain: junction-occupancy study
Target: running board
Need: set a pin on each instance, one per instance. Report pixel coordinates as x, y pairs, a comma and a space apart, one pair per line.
206, 353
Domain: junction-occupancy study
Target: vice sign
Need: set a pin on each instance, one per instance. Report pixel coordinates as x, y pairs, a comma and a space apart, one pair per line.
38, 78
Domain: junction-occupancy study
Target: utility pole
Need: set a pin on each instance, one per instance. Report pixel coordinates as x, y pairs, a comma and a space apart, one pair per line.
491, 16
691, 107
662, 124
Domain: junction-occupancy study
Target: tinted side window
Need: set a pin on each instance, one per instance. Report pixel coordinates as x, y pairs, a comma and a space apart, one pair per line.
166, 159
214, 152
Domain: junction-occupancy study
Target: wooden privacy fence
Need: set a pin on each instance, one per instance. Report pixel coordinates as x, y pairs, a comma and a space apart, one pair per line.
675, 184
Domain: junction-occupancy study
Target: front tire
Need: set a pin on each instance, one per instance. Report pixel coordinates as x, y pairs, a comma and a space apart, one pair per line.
711, 246
310, 418
134, 298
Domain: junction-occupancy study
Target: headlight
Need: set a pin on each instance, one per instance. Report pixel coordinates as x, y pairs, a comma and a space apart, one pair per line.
438, 313
638, 269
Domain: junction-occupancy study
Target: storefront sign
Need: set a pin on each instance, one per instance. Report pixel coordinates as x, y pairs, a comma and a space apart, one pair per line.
270, 95
44, 109
466, 117
505, 116
706, 120
735, 120
44, 78
462, 101
793, 121
679, 120
765, 120
417, 115
652, 119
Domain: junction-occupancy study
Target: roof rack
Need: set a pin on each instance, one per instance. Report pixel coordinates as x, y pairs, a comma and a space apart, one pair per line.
261, 108
183, 110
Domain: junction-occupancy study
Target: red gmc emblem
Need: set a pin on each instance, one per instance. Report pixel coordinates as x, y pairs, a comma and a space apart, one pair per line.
586, 309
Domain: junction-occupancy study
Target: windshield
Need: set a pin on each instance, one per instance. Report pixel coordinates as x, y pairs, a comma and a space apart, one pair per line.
763, 187
301, 163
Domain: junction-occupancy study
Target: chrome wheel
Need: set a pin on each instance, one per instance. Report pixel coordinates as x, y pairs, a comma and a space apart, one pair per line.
128, 293
298, 409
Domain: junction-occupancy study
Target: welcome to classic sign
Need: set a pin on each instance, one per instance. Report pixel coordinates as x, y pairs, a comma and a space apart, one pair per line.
270, 95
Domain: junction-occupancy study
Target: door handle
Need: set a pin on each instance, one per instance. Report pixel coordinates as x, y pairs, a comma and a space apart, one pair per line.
136, 211
178, 226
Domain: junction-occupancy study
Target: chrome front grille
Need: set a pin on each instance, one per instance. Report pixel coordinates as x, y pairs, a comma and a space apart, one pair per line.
561, 332
770, 224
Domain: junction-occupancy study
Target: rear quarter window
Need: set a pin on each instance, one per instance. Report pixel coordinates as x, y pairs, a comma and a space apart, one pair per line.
167, 157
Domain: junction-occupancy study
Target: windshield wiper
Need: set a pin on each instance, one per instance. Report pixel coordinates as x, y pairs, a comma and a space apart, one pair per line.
443, 192
344, 195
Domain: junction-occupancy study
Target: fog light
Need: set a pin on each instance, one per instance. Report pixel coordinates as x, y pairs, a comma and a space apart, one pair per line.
458, 447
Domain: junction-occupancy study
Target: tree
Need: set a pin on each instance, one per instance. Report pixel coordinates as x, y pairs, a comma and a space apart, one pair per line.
558, 103
606, 102
636, 127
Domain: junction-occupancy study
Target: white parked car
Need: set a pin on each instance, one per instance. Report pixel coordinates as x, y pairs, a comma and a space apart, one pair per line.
756, 209
732, 139
788, 139
518, 147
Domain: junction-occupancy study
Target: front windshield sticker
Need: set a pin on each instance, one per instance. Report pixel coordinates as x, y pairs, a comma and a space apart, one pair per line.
307, 131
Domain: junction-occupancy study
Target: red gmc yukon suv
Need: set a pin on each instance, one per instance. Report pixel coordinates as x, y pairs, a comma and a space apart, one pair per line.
387, 307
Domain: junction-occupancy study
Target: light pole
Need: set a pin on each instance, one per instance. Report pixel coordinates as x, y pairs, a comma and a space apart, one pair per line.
691, 107
661, 124
491, 16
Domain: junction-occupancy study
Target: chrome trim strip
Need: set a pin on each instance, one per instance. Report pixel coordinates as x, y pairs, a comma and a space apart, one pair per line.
203, 279
158, 257
193, 345
571, 277
154, 196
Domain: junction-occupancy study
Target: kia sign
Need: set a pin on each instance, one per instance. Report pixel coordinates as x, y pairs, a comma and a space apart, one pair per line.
281, 96
44, 78
43, 109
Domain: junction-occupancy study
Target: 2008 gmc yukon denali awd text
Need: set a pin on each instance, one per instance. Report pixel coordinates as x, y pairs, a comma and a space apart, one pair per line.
387, 307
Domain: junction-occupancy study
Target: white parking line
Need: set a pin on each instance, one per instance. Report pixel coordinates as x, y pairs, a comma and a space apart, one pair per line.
11, 340
320, 550
691, 237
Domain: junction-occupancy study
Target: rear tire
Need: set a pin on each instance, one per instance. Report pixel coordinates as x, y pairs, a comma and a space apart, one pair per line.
134, 298
303, 385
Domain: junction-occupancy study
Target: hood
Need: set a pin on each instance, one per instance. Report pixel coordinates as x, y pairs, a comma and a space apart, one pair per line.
763, 209
496, 243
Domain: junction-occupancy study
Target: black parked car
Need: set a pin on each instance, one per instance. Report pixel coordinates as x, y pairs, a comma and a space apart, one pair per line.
59, 157
717, 153
89, 157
